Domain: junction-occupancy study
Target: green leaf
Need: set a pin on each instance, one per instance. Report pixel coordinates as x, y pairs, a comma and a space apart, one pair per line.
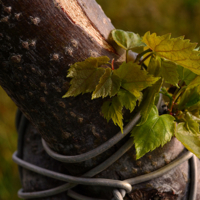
177, 50
156, 131
185, 74
133, 78
149, 100
194, 83
154, 66
192, 122
127, 99
113, 110
169, 72
191, 96
128, 40
85, 75
188, 139
109, 84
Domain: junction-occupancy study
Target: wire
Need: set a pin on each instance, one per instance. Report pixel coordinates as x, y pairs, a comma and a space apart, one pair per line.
104, 182
194, 175
72, 179
160, 171
124, 186
91, 173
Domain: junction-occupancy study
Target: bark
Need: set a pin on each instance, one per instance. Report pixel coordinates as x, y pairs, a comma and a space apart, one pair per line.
39, 40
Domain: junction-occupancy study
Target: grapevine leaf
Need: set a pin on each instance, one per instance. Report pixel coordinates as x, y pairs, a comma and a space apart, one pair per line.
149, 100
133, 78
127, 99
147, 55
191, 96
177, 50
195, 98
156, 131
91, 62
154, 66
185, 74
113, 110
192, 122
188, 139
152, 40
109, 84
194, 83
169, 72
85, 75
128, 40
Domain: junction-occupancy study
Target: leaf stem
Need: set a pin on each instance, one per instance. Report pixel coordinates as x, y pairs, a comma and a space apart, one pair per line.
141, 54
112, 64
177, 89
141, 62
178, 93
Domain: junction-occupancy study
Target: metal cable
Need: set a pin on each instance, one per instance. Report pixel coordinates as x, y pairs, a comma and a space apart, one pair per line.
118, 194
72, 179
90, 173
194, 175
124, 186
186, 156
158, 173
87, 181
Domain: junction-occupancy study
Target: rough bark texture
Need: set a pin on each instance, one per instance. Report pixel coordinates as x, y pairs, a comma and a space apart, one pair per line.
39, 40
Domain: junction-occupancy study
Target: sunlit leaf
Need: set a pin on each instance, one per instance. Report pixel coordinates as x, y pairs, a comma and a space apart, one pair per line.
128, 40
149, 100
85, 75
134, 79
127, 99
153, 41
177, 50
188, 139
155, 132
192, 122
169, 72
113, 110
109, 84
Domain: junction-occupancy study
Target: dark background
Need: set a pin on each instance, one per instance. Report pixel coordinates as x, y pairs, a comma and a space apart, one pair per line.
179, 17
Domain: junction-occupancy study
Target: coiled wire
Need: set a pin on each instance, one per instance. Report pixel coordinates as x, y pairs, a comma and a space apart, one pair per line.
123, 187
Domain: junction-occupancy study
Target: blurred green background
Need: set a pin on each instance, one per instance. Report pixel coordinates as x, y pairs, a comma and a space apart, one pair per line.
179, 17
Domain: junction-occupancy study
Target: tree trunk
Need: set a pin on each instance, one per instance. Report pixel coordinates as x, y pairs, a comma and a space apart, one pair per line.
39, 40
